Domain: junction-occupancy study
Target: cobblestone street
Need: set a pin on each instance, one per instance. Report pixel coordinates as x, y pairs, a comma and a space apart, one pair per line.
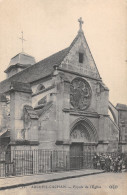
102, 184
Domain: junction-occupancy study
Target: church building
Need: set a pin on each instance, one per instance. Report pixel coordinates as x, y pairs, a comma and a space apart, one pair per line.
60, 103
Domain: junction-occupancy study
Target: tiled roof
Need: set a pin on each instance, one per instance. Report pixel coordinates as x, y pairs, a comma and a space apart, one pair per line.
36, 71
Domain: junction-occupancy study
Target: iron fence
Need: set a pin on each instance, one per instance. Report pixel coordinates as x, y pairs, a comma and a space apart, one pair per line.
27, 162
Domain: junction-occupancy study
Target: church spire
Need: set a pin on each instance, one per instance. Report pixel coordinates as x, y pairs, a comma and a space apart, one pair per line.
80, 24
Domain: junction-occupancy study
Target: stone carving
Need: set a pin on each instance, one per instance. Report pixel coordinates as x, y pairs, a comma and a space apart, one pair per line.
80, 94
79, 134
23, 134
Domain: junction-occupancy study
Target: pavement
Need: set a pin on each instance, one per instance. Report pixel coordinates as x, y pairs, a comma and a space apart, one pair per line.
20, 181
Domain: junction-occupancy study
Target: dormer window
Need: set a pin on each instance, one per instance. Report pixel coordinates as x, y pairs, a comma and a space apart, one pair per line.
81, 57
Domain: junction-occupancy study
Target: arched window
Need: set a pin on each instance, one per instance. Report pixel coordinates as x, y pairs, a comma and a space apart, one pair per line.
40, 87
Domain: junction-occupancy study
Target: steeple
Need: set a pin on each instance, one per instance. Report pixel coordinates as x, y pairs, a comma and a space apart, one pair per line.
20, 61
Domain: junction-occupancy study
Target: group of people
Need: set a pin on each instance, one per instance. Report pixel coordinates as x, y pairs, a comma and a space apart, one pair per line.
108, 163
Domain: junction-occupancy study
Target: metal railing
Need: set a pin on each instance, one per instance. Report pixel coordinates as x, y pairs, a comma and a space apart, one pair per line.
27, 162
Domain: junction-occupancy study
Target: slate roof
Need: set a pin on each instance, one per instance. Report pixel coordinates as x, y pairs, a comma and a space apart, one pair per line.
5, 133
121, 107
36, 71
16, 66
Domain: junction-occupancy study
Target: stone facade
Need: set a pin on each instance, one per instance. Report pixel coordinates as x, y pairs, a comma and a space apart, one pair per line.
64, 107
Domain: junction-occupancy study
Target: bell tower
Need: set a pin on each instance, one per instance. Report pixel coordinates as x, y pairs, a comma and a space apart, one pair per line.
20, 61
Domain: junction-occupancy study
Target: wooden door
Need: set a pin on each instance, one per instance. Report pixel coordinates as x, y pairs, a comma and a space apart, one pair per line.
76, 156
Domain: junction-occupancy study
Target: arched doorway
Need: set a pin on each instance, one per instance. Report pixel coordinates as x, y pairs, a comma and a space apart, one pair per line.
84, 139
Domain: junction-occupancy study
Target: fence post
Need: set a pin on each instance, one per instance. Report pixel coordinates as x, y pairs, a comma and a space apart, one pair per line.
68, 161
51, 162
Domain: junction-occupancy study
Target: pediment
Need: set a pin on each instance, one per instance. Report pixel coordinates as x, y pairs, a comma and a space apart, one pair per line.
72, 62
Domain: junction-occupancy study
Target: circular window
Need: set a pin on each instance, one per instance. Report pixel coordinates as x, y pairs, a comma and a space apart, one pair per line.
80, 94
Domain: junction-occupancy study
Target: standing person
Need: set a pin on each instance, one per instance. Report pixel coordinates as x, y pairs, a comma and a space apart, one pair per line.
98, 161
125, 161
112, 165
116, 164
120, 162
95, 162
107, 164
102, 161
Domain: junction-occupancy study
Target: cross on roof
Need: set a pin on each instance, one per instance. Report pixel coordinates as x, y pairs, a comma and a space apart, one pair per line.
22, 39
80, 23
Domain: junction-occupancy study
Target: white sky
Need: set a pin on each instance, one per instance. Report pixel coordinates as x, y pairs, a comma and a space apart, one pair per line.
51, 25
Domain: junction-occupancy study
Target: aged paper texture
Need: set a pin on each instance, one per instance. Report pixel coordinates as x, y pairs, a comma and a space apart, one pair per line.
41, 28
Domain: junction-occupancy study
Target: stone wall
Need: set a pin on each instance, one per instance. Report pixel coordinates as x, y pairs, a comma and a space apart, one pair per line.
17, 102
3, 112
47, 130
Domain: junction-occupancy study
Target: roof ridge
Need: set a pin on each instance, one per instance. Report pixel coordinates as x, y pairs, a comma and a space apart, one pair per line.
44, 59
23, 54
73, 42
91, 54
52, 55
37, 62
